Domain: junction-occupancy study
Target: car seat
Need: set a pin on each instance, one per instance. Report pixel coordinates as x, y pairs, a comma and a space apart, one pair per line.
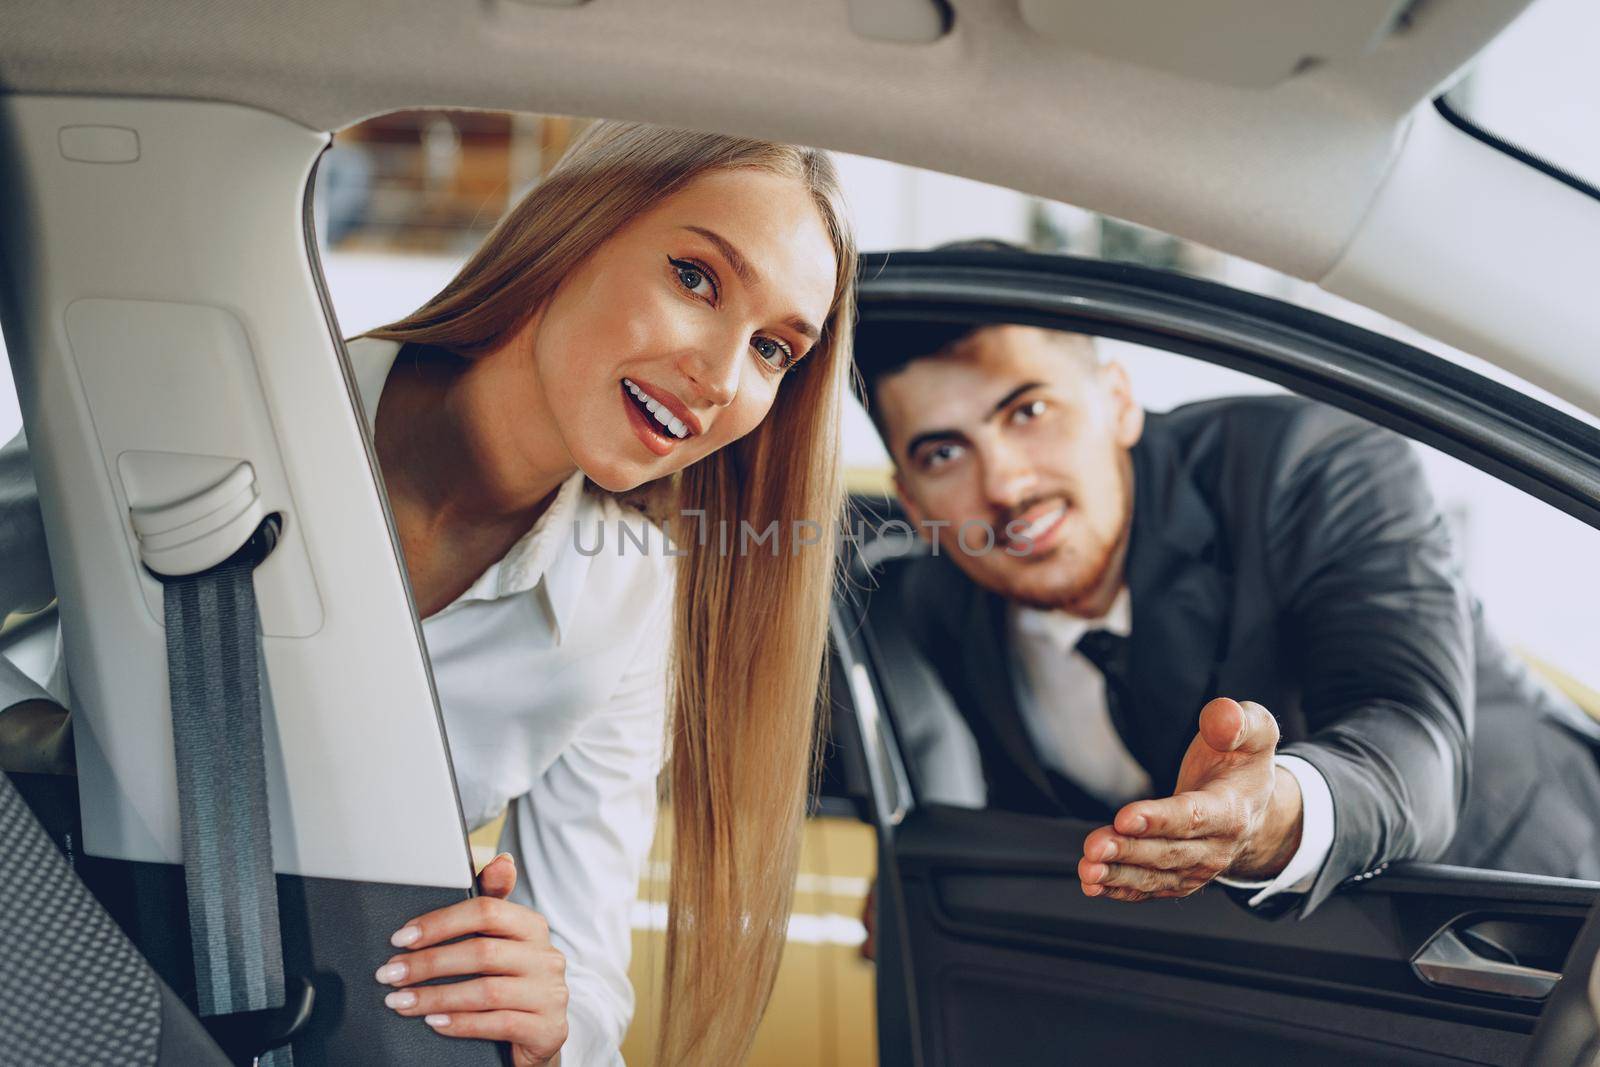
73, 989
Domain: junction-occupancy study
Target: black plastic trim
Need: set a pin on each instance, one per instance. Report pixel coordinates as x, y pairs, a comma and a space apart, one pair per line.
184, 1042
900, 1032
335, 932
1444, 880
1454, 117
248, 1035
967, 869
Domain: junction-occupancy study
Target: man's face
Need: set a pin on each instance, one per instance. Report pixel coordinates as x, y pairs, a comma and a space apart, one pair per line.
1017, 431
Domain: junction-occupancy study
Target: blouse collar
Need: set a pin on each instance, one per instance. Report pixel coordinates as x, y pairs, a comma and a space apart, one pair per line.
546, 559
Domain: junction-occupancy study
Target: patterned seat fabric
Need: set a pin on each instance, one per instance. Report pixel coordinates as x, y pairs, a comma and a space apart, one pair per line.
73, 989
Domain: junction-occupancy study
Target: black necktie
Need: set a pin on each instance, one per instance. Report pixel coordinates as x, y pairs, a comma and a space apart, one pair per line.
1109, 654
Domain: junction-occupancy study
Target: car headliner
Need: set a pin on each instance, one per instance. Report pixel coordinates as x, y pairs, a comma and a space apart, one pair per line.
1285, 171
1279, 174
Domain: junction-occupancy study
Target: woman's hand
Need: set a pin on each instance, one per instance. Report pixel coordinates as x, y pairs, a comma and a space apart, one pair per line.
520, 996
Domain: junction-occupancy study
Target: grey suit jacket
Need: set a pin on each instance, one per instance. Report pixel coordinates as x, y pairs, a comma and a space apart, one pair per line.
1287, 553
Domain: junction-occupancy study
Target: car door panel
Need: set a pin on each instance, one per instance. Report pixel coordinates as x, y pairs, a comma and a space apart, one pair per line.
1001, 955
1008, 957
1006, 946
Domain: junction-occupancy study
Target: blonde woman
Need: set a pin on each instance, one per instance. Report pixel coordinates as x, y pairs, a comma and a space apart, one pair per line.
666, 310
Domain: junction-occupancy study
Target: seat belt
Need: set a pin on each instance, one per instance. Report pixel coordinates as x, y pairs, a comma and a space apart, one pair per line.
213, 674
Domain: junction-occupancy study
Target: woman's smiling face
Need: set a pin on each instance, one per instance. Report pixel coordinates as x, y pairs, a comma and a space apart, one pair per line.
670, 341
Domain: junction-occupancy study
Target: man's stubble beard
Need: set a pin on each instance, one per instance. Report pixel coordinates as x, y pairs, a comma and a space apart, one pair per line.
1092, 595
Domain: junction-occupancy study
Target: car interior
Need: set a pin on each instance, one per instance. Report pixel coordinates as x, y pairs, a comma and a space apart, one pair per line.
187, 401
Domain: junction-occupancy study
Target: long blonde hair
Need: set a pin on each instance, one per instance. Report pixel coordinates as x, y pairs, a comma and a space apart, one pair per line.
750, 628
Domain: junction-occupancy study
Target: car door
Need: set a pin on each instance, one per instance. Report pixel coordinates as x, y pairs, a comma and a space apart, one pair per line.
988, 951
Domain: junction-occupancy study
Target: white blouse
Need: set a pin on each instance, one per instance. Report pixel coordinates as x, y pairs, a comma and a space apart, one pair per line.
551, 675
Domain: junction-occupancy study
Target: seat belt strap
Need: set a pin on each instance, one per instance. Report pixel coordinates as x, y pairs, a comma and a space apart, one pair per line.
213, 668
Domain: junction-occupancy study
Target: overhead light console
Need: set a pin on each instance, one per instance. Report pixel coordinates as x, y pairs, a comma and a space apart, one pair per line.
1244, 43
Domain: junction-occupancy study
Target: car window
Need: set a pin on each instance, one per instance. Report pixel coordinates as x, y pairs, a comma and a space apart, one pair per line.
1515, 552
1536, 89
1535, 691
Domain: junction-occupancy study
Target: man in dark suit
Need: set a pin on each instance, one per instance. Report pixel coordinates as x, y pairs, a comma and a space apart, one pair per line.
1236, 631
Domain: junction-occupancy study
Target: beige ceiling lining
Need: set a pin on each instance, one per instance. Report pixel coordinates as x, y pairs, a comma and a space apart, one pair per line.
1280, 175
1248, 43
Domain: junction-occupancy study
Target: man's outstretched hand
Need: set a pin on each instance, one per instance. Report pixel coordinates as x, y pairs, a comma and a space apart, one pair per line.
1235, 813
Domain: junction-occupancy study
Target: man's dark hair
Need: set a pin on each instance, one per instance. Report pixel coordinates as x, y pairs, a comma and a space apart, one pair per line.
883, 347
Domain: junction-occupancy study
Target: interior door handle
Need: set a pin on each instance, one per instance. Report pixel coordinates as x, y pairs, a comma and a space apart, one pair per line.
1449, 962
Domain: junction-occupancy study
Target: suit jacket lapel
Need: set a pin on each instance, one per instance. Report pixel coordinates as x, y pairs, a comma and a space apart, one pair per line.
1181, 605
987, 660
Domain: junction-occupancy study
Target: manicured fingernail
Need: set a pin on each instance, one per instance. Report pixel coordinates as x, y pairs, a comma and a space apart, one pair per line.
1138, 825
436, 1021
1108, 850
403, 999
391, 973
1096, 872
404, 936
509, 858
1091, 890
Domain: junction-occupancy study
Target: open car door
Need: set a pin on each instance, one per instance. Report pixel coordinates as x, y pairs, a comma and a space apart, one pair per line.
988, 950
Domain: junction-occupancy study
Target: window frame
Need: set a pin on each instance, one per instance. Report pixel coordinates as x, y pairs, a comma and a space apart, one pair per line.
1514, 437
1459, 119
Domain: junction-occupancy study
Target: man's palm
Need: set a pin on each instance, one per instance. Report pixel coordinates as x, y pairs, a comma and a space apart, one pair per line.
1213, 824
1220, 758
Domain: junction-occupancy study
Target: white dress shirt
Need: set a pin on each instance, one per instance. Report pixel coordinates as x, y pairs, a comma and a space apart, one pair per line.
1062, 699
551, 674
